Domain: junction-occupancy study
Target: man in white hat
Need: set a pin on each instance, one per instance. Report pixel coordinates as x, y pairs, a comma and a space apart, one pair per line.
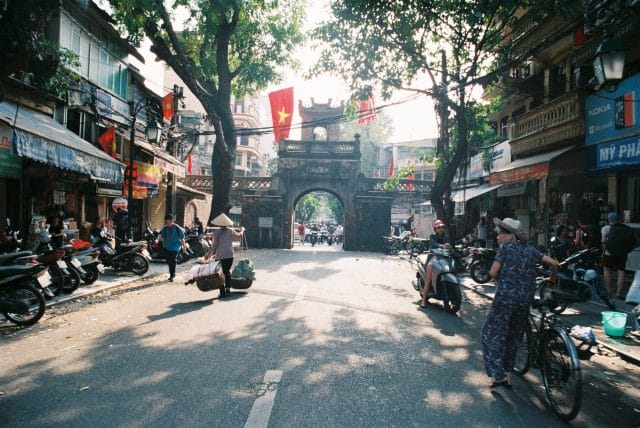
222, 247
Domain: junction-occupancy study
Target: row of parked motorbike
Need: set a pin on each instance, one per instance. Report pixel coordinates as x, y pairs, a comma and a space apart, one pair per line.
196, 244
27, 278
577, 279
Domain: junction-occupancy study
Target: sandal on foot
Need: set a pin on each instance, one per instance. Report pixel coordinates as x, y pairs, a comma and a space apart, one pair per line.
423, 305
504, 382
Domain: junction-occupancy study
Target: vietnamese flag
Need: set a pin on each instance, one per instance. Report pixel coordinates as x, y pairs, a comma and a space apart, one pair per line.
107, 141
189, 164
281, 112
366, 111
390, 168
167, 106
410, 186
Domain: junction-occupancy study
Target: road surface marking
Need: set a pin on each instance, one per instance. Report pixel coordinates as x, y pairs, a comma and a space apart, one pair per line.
301, 292
261, 410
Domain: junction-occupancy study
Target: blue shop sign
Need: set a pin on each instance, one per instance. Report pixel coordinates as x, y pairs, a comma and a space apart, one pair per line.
611, 115
614, 156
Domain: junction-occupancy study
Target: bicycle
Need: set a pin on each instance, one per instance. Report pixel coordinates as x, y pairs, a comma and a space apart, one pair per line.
548, 347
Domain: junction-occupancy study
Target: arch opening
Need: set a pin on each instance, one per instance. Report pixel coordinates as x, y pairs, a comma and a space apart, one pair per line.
318, 221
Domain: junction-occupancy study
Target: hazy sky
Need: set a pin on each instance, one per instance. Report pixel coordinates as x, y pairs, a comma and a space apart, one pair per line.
411, 120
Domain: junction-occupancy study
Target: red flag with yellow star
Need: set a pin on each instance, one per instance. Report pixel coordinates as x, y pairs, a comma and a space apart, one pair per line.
281, 112
167, 106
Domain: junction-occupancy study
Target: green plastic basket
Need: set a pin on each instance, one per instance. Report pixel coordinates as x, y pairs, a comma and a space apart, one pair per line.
614, 323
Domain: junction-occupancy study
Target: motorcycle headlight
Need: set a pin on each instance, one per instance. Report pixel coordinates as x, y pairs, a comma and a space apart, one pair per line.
590, 275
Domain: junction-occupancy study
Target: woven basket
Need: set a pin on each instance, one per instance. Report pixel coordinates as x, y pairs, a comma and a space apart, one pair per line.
210, 283
240, 283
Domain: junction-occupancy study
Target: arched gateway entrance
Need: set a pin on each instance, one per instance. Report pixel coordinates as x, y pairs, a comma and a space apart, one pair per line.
332, 166
268, 203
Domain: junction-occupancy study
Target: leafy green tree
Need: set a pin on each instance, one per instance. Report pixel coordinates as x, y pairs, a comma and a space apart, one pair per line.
372, 138
227, 47
336, 208
390, 45
26, 50
307, 207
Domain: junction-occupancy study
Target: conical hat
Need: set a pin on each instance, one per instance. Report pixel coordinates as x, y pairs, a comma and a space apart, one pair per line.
222, 220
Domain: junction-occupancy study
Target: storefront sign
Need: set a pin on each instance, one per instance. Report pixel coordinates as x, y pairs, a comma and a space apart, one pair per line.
169, 167
500, 155
512, 189
112, 107
109, 189
148, 175
615, 155
533, 172
265, 222
10, 163
612, 115
475, 167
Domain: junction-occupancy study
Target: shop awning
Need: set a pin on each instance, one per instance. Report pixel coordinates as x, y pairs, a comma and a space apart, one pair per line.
163, 159
529, 168
41, 138
472, 192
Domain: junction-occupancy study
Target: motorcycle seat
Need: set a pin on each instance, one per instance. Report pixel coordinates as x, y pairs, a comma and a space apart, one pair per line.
7, 258
7, 271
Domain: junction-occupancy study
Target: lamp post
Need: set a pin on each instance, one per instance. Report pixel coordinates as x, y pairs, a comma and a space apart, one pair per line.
153, 133
608, 65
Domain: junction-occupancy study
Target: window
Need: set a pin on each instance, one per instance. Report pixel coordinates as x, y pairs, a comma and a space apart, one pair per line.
244, 140
238, 160
558, 80
504, 129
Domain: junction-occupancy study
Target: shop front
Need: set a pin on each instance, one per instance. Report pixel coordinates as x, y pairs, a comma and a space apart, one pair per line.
10, 178
60, 169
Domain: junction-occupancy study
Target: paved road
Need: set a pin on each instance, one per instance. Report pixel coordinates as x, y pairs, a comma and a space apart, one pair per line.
324, 338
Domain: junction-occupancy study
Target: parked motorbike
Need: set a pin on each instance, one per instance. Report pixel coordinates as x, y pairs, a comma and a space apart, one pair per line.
445, 285
10, 240
313, 238
63, 280
481, 262
89, 267
132, 256
21, 297
394, 244
196, 243
577, 281
329, 238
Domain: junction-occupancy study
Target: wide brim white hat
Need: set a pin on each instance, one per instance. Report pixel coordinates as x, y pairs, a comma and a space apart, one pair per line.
512, 225
222, 220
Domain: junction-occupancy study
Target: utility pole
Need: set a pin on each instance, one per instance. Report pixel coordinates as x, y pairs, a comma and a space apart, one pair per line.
173, 150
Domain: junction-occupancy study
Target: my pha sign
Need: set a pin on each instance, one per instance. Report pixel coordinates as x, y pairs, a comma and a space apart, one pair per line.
618, 153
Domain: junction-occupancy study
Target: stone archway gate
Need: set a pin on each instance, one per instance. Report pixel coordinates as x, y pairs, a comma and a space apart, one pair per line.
268, 203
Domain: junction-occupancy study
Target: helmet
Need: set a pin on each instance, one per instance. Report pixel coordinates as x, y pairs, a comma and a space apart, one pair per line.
438, 223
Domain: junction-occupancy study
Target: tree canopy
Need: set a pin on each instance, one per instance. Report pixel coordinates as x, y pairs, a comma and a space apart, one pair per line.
372, 137
395, 45
224, 48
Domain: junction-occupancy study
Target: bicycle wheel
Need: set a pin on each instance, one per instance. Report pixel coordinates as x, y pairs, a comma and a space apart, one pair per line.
561, 373
522, 361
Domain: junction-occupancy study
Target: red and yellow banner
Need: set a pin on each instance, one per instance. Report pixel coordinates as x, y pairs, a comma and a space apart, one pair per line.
525, 173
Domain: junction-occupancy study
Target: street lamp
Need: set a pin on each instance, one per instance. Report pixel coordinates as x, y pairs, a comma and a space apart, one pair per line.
153, 132
608, 65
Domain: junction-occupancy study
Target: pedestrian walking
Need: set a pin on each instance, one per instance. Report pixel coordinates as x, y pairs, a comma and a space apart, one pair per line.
619, 241
301, 231
481, 232
172, 236
222, 247
514, 270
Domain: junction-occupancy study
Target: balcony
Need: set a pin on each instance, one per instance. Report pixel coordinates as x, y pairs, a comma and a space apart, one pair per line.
544, 127
543, 37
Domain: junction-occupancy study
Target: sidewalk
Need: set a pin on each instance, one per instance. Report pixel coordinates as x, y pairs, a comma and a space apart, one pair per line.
585, 314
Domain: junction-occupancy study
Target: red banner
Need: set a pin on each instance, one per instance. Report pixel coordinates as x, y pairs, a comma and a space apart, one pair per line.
366, 111
167, 106
525, 173
107, 141
281, 112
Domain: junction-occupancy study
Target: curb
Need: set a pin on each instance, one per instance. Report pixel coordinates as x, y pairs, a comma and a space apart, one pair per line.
90, 292
611, 346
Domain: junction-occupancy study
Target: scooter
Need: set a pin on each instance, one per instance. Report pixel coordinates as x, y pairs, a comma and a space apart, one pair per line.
445, 285
21, 295
481, 262
88, 261
126, 256
313, 238
577, 281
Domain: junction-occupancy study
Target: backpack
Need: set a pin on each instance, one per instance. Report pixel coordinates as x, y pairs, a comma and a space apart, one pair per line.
591, 236
621, 240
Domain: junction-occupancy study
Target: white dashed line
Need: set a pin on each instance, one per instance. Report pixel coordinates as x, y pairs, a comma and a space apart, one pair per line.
261, 410
301, 292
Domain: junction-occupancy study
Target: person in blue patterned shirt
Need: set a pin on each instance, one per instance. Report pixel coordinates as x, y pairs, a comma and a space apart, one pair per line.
514, 270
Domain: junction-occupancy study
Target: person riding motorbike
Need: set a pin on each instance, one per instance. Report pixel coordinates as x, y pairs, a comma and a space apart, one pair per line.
437, 240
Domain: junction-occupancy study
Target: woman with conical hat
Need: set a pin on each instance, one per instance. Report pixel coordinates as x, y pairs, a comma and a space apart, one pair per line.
222, 247
514, 270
